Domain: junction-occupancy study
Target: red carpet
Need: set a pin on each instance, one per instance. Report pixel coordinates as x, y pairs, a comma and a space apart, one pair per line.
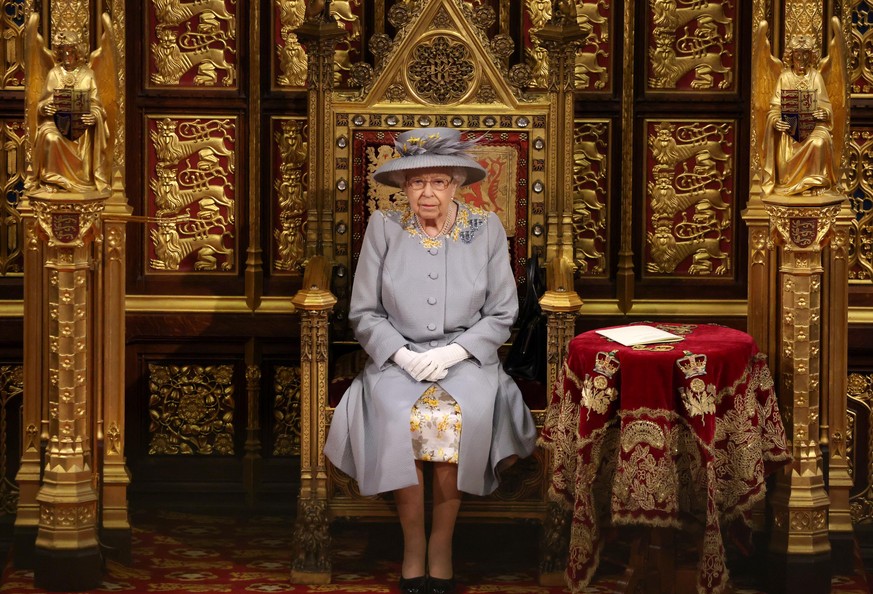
176, 553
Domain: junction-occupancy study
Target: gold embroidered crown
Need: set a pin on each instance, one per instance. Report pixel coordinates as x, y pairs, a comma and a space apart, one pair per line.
606, 363
692, 365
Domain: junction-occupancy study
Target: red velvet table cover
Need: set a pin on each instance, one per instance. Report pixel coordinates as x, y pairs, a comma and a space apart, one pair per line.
662, 435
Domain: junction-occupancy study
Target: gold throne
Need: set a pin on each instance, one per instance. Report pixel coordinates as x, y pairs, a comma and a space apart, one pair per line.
440, 70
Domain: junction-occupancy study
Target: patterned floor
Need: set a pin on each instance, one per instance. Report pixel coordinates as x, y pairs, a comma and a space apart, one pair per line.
206, 554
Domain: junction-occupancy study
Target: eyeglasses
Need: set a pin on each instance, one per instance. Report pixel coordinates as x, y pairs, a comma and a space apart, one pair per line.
437, 183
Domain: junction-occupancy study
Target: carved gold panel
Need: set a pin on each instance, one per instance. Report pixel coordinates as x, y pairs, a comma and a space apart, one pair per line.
288, 193
859, 187
692, 46
12, 20
689, 198
11, 394
594, 63
860, 47
190, 165
192, 43
859, 445
12, 181
191, 410
591, 191
286, 411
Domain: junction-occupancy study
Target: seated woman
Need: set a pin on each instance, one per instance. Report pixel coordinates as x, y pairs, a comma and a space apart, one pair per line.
433, 299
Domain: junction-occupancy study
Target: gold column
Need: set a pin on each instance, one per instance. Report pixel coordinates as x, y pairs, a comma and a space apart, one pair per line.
761, 290
561, 304
67, 555
321, 35
801, 226
311, 562
29, 476
110, 390
835, 372
559, 36
254, 274
625, 275
252, 459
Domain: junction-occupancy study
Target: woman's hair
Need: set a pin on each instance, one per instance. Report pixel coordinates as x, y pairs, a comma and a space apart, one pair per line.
459, 175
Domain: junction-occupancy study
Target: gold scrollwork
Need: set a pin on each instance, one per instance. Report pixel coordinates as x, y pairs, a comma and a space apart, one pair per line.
12, 24
641, 431
11, 390
861, 36
191, 408
12, 133
859, 188
860, 392
286, 411
289, 235
680, 47
590, 191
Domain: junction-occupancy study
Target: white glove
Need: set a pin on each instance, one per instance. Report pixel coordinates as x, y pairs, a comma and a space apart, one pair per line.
432, 365
445, 357
417, 365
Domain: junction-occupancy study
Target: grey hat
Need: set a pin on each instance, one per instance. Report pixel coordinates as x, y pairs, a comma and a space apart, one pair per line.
425, 148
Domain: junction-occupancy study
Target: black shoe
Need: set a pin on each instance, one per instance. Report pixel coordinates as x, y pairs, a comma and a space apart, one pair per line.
416, 585
438, 586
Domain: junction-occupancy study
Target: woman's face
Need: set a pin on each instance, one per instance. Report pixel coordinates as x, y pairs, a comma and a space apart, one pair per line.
430, 191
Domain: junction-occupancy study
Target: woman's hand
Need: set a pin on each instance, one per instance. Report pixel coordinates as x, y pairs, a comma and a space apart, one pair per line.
432, 365
418, 365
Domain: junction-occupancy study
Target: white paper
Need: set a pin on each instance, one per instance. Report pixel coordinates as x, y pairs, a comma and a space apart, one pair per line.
638, 334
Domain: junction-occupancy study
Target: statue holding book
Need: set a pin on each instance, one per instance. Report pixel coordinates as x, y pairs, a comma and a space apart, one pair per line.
800, 114
71, 107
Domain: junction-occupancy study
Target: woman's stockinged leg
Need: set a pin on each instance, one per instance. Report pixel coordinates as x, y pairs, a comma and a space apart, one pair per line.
446, 502
410, 510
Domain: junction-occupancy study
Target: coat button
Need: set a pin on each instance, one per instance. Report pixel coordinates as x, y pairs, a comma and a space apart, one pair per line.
431, 300
433, 251
434, 275
434, 343
431, 326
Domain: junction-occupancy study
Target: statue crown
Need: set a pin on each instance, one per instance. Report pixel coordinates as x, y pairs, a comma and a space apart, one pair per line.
66, 37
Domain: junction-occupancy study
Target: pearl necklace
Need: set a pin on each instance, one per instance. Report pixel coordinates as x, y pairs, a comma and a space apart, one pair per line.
446, 225
436, 241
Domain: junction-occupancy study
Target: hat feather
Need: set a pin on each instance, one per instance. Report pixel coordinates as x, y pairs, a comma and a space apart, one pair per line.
434, 144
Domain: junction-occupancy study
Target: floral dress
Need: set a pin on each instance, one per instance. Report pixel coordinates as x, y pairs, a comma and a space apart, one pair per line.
435, 424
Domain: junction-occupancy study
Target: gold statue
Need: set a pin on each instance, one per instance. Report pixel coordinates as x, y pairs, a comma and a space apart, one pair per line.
71, 110
800, 109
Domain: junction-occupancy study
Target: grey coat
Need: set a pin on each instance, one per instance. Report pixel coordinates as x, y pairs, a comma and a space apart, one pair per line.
406, 293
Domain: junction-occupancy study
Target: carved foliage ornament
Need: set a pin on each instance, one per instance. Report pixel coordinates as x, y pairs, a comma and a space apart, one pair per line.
441, 70
191, 409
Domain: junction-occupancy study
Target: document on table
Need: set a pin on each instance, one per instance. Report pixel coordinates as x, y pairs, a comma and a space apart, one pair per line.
638, 334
